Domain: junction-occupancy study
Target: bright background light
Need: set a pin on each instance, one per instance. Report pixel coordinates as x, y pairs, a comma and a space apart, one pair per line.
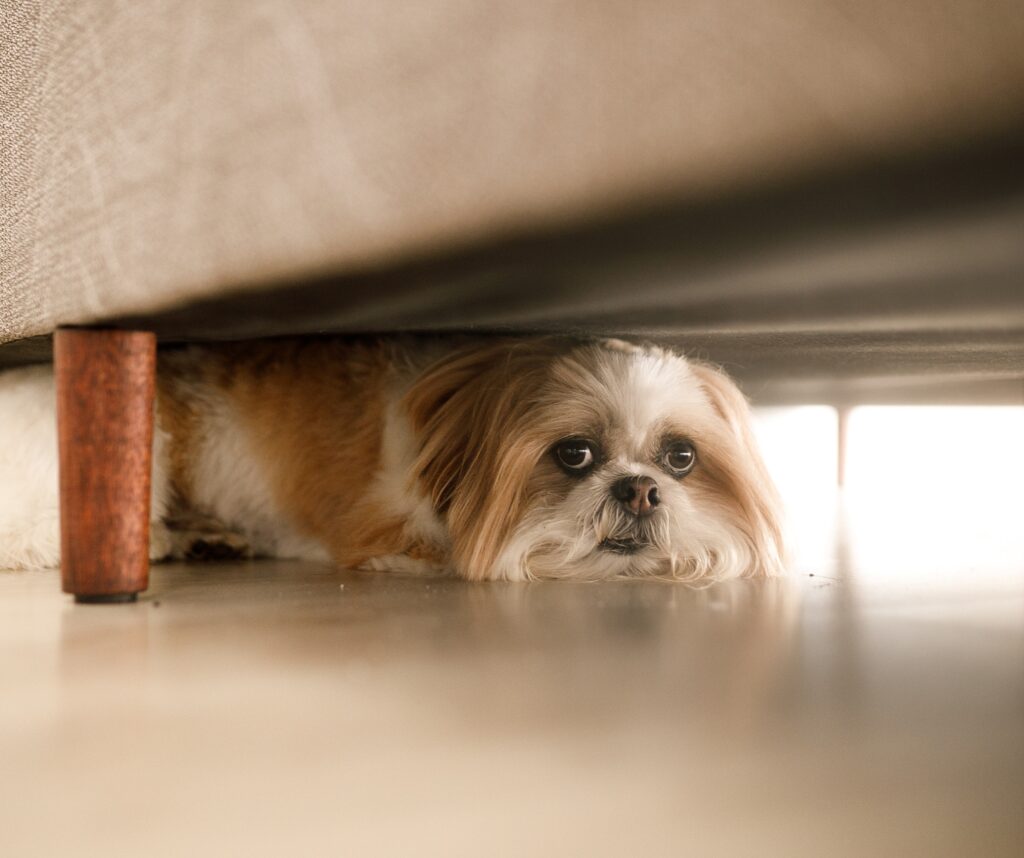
932, 493
799, 445
936, 491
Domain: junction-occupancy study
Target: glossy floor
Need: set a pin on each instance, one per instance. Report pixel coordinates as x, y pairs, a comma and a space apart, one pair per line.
288, 709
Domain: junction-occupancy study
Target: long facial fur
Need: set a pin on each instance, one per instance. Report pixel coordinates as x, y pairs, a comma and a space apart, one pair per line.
488, 417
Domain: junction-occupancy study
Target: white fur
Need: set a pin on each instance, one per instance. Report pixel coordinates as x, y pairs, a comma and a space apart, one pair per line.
404, 565
29, 503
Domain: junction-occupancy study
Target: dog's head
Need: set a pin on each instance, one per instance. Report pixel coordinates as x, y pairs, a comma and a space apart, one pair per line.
552, 459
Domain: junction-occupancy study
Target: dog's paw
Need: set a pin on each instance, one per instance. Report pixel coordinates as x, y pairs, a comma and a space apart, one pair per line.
160, 542
215, 546
403, 564
198, 537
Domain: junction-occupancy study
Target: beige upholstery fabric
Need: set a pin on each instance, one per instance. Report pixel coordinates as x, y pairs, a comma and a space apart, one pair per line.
161, 151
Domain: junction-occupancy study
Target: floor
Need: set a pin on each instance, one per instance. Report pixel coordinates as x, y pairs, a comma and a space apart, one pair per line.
277, 708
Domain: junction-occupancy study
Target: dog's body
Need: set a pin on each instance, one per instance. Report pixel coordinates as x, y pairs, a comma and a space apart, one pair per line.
511, 459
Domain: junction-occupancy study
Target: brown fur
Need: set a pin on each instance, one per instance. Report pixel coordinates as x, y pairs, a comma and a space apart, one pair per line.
314, 411
733, 473
474, 410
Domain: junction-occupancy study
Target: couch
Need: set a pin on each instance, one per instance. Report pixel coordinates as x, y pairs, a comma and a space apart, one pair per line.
826, 197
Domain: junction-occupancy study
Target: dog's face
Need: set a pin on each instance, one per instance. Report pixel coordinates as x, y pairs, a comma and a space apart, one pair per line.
600, 460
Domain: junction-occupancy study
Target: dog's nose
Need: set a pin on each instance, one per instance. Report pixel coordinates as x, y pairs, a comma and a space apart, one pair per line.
637, 494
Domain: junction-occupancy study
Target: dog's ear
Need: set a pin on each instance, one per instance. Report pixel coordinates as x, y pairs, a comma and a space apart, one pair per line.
478, 447
728, 401
735, 464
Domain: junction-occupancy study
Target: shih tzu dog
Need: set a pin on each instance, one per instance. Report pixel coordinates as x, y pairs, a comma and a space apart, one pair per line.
496, 459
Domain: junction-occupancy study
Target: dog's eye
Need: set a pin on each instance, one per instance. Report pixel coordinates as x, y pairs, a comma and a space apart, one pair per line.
680, 458
575, 454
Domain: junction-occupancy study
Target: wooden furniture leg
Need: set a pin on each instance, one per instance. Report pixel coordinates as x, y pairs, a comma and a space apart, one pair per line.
105, 389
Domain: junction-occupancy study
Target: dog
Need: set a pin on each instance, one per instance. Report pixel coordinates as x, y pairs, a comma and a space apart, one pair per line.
495, 459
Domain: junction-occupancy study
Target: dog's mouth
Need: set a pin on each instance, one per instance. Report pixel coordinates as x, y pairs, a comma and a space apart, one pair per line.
623, 546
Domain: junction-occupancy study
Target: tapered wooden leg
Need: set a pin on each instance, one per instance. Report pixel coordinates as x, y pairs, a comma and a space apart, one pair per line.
105, 389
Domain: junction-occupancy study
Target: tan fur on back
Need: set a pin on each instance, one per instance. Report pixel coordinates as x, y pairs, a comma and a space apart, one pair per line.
313, 411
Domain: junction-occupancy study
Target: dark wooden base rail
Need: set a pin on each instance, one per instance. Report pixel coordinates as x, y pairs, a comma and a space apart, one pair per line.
105, 389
